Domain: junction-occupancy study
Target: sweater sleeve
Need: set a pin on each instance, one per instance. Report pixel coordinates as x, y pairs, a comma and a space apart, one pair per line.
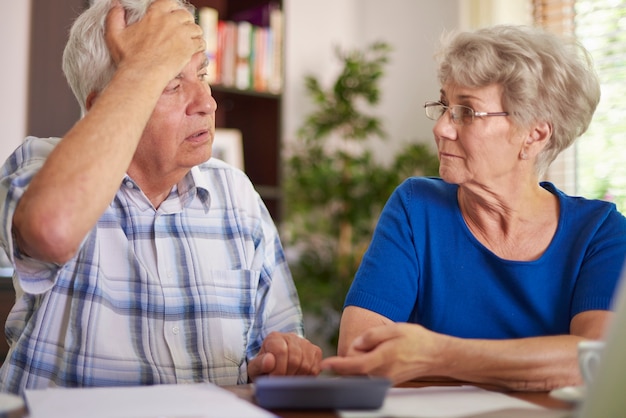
387, 279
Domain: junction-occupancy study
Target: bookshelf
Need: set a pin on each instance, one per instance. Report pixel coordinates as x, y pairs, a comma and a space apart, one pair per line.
257, 114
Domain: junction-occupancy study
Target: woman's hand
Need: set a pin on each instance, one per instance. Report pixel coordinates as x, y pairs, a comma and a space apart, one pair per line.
397, 351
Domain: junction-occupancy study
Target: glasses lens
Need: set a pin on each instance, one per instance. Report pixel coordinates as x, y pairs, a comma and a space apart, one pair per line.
462, 115
434, 110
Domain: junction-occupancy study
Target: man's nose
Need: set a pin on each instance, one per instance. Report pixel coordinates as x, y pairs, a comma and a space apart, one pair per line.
202, 100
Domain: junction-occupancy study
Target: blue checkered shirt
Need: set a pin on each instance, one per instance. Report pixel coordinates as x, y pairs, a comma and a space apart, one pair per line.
184, 293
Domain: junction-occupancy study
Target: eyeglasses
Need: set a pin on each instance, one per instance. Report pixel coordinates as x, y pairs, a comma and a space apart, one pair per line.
461, 115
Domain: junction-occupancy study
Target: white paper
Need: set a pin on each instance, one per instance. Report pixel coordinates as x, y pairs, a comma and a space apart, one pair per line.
443, 402
158, 401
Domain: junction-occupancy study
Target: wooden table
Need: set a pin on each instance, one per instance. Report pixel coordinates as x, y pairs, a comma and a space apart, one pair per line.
538, 398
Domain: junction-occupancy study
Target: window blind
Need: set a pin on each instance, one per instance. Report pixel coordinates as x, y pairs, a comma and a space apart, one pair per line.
554, 15
557, 16
596, 166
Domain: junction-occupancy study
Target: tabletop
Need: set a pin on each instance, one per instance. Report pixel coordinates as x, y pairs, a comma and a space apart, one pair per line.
246, 392
538, 398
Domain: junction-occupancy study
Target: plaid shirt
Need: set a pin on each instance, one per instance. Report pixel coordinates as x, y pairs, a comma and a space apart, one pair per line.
184, 293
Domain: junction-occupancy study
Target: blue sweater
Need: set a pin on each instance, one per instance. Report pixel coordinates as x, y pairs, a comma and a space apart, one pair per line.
425, 266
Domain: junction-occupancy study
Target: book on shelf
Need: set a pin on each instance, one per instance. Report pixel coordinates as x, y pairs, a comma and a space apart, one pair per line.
227, 40
247, 50
275, 84
207, 19
260, 73
245, 33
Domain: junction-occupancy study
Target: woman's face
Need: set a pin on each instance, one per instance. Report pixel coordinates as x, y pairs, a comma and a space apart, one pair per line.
484, 152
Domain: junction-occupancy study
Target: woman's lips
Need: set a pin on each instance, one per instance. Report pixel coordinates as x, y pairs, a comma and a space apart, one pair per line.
447, 155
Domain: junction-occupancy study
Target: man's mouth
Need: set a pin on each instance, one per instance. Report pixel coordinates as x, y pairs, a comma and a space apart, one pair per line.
198, 134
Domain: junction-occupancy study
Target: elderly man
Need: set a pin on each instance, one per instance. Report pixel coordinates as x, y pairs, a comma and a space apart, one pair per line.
138, 260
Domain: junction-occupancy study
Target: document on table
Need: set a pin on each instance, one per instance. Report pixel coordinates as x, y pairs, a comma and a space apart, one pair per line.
159, 401
450, 402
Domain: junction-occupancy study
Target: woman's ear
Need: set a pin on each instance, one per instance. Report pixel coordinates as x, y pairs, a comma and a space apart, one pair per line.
536, 140
540, 133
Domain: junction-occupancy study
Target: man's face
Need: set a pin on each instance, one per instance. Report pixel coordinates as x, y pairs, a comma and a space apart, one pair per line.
179, 134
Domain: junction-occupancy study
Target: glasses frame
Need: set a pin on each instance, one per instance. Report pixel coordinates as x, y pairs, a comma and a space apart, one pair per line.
454, 117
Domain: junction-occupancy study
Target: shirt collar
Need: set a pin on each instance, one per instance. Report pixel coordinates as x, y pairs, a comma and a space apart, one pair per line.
191, 185
201, 183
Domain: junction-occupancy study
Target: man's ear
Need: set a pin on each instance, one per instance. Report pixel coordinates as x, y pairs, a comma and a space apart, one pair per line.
91, 99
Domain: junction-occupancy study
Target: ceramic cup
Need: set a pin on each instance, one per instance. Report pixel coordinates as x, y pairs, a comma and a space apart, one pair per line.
589, 357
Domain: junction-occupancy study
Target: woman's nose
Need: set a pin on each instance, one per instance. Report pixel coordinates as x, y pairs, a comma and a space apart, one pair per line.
445, 128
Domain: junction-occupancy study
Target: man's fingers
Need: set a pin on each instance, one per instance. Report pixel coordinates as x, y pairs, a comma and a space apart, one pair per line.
115, 24
276, 344
293, 355
311, 358
262, 364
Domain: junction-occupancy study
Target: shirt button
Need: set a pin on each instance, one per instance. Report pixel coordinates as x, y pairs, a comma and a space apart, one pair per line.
175, 330
129, 184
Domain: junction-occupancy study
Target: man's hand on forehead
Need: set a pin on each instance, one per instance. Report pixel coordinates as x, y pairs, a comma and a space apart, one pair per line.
166, 35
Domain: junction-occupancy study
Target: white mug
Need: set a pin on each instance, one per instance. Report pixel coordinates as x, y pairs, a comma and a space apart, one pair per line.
589, 358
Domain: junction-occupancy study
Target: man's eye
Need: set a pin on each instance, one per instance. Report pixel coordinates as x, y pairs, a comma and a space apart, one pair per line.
172, 87
204, 77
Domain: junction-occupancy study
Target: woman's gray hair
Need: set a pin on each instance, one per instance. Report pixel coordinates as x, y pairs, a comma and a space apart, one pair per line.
544, 78
87, 62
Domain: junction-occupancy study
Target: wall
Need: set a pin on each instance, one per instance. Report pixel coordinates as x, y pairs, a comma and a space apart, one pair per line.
14, 33
314, 29
412, 28
480, 13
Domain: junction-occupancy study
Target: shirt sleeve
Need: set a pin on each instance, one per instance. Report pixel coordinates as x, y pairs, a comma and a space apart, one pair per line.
34, 276
391, 254
603, 261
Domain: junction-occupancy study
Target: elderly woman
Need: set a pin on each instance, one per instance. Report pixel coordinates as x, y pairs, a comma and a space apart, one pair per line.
487, 274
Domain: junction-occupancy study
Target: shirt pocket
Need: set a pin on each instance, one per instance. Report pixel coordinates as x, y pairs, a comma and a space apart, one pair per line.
231, 297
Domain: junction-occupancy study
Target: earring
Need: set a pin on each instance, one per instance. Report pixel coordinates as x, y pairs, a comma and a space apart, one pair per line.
523, 155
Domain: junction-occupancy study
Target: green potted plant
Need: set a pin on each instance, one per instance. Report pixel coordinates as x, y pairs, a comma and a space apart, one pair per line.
335, 189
